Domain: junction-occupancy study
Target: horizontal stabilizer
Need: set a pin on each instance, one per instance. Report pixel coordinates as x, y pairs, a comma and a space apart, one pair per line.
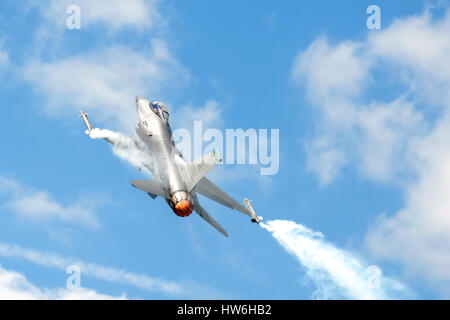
151, 187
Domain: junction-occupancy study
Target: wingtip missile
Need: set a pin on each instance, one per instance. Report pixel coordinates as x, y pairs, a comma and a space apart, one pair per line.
255, 218
86, 122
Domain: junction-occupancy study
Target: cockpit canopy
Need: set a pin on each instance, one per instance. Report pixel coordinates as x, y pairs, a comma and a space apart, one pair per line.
160, 109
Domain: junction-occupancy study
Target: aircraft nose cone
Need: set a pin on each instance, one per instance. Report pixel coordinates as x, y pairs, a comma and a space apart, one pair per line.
140, 104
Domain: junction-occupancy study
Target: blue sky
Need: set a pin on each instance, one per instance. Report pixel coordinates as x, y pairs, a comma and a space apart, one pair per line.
361, 114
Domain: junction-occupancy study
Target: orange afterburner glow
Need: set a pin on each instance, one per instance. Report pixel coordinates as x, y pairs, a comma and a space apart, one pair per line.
183, 208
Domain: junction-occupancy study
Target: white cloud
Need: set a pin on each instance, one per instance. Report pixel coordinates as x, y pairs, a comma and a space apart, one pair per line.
419, 233
105, 81
374, 135
106, 78
331, 71
210, 114
325, 159
38, 206
120, 276
404, 137
15, 286
419, 43
113, 14
186, 288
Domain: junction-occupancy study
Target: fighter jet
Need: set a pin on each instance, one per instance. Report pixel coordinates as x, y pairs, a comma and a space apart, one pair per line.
175, 180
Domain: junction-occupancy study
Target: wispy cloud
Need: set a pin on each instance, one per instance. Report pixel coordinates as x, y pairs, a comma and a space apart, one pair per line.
336, 273
105, 81
373, 135
103, 77
115, 15
210, 115
15, 286
38, 206
53, 260
182, 289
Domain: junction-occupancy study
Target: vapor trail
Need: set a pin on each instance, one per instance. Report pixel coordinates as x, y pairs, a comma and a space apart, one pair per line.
126, 148
335, 272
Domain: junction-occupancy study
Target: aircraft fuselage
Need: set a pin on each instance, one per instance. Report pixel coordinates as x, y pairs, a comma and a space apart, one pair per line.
155, 132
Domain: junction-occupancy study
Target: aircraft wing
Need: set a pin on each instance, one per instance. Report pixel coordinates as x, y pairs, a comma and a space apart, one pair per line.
208, 189
205, 215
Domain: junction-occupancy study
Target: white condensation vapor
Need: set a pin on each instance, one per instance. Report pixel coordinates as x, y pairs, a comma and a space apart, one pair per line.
336, 273
126, 148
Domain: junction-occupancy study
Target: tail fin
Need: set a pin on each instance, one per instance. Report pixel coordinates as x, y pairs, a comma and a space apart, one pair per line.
193, 172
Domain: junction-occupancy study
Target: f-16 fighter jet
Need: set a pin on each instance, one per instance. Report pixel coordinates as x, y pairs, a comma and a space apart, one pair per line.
175, 180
